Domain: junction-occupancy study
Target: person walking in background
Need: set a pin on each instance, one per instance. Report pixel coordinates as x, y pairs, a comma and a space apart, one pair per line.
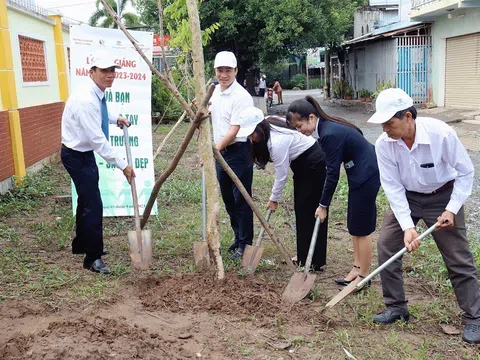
344, 143
85, 122
426, 174
274, 141
228, 101
278, 90
262, 85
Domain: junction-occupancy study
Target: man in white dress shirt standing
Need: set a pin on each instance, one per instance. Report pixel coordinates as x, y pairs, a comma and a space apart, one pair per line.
85, 130
228, 100
426, 174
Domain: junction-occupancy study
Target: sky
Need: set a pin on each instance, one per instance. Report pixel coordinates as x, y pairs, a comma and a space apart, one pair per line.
79, 10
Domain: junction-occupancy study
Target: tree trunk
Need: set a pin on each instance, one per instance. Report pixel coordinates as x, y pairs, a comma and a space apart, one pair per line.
205, 141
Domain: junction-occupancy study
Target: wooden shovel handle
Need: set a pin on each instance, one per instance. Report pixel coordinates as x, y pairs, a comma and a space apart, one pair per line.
249, 200
134, 192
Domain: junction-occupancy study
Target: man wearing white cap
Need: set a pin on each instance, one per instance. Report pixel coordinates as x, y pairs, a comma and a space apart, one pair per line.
426, 174
228, 100
85, 130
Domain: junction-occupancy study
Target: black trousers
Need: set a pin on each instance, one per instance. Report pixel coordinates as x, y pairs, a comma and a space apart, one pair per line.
84, 172
309, 172
238, 157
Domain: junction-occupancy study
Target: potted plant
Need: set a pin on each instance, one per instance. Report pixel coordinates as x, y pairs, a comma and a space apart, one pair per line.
337, 89
363, 94
347, 91
368, 96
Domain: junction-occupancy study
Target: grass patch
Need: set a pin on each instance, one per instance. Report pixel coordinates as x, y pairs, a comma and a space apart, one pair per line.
27, 197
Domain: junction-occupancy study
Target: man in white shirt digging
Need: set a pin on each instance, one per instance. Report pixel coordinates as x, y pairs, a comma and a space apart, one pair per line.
426, 174
85, 122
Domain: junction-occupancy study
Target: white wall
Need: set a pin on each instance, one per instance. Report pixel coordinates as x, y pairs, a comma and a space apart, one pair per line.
370, 18
442, 29
23, 24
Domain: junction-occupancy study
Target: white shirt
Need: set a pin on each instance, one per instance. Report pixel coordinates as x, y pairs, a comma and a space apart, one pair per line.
82, 125
284, 147
262, 84
225, 109
400, 167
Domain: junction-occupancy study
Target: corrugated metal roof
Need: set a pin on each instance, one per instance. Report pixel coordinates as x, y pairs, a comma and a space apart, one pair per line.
387, 31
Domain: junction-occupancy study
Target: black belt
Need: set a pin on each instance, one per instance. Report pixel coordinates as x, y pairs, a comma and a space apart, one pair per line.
64, 147
233, 146
447, 186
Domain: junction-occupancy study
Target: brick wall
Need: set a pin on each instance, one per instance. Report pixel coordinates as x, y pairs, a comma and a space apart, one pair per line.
41, 131
6, 158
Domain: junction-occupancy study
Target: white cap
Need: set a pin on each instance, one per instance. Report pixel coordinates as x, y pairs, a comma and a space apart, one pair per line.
389, 102
103, 60
225, 58
248, 119
264, 76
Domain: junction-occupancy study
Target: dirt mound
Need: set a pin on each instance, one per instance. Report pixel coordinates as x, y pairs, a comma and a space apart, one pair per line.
236, 296
89, 338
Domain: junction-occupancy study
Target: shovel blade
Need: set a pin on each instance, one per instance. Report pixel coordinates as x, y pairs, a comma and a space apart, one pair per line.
139, 261
251, 258
350, 288
298, 287
201, 254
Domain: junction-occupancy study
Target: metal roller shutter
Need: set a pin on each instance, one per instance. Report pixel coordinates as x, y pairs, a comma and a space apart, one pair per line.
462, 76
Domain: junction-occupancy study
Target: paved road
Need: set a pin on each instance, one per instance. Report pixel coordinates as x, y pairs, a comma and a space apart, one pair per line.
468, 133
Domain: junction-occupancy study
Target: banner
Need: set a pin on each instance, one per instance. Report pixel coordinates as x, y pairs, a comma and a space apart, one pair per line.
129, 96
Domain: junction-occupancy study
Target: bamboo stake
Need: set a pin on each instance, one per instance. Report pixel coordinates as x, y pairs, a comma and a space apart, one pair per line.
198, 118
179, 121
249, 200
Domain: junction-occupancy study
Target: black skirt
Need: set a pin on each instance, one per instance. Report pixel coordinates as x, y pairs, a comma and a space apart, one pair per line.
309, 172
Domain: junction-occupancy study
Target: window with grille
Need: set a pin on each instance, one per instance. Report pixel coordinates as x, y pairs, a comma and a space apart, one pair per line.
32, 53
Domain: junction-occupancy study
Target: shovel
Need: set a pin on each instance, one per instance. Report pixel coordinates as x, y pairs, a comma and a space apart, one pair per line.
200, 248
302, 282
140, 241
358, 283
253, 254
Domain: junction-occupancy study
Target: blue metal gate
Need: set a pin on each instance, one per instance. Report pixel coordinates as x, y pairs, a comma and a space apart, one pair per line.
414, 66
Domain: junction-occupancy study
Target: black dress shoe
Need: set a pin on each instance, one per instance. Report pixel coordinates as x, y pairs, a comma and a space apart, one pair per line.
97, 266
105, 252
233, 248
389, 316
237, 254
471, 333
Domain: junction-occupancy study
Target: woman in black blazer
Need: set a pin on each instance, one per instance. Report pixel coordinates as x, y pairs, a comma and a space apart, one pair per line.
344, 143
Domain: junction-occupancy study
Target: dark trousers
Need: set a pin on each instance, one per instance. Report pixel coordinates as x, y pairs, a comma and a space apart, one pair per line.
261, 92
84, 172
238, 157
452, 243
309, 172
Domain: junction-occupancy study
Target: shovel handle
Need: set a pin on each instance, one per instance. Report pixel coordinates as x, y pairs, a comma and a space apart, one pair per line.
262, 231
134, 191
395, 257
313, 242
